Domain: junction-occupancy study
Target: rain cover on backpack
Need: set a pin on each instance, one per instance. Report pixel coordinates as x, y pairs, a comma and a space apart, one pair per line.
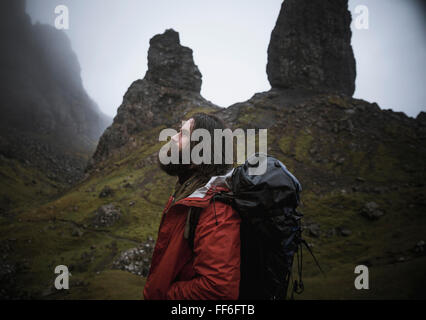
270, 227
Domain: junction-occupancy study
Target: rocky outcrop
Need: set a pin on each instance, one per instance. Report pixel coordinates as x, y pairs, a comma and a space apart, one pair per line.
311, 48
172, 65
136, 260
335, 142
168, 92
421, 117
106, 216
42, 100
372, 211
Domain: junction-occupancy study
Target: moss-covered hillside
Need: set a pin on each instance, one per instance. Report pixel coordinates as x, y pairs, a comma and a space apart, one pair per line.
347, 154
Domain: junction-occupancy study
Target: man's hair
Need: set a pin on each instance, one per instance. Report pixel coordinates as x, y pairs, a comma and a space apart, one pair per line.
210, 123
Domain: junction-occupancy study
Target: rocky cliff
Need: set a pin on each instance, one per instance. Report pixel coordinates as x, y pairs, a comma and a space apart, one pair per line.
311, 48
48, 120
169, 91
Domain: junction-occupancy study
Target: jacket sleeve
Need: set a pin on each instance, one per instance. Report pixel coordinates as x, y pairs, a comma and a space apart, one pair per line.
217, 258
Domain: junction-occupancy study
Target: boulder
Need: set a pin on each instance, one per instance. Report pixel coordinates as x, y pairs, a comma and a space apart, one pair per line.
106, 216
136, 260
372, 211
107, 191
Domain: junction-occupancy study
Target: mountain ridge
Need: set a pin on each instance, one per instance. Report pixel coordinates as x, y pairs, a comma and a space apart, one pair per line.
48, 119
361, 168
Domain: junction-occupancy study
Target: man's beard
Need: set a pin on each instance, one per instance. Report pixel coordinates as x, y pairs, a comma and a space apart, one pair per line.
175, 169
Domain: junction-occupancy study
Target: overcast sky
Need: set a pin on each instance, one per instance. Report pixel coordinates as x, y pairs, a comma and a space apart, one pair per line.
230, 40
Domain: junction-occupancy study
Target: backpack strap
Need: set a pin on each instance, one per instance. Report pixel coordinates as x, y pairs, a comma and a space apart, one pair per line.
194, 215
191, 224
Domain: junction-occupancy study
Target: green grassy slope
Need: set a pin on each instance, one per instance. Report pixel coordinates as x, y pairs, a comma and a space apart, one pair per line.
383, 162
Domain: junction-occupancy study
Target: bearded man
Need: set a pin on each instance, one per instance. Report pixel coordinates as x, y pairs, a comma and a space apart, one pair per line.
210, 267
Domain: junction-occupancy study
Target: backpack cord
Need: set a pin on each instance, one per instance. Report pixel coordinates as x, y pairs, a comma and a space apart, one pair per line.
298, 286
292, 285
312, 254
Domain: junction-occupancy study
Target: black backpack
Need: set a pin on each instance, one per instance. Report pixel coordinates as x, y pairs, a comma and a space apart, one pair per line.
270, 229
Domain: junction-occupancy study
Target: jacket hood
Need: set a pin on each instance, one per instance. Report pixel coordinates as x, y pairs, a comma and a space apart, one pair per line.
201, 196
214, 182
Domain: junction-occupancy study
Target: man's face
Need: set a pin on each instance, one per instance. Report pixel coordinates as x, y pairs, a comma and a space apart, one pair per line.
183, 137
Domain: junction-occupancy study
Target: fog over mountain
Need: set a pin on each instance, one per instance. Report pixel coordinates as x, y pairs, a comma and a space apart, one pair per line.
48, 119
230, 41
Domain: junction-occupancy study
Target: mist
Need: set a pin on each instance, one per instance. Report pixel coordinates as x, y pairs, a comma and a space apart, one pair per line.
230, 41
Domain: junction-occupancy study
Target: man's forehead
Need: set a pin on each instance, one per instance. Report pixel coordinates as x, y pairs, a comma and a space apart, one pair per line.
186, 124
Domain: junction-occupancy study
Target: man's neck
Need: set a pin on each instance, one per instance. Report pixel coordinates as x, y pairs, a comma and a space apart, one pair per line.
185, 176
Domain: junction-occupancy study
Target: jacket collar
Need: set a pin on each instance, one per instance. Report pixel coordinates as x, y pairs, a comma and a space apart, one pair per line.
183, 190
202, 195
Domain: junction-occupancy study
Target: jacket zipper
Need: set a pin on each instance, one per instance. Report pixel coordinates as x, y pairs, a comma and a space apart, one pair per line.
170, 205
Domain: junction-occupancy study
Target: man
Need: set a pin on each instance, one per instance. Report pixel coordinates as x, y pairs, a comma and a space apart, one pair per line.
211, 269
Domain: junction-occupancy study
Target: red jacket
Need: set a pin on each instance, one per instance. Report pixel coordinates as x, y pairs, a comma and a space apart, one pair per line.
212, 269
